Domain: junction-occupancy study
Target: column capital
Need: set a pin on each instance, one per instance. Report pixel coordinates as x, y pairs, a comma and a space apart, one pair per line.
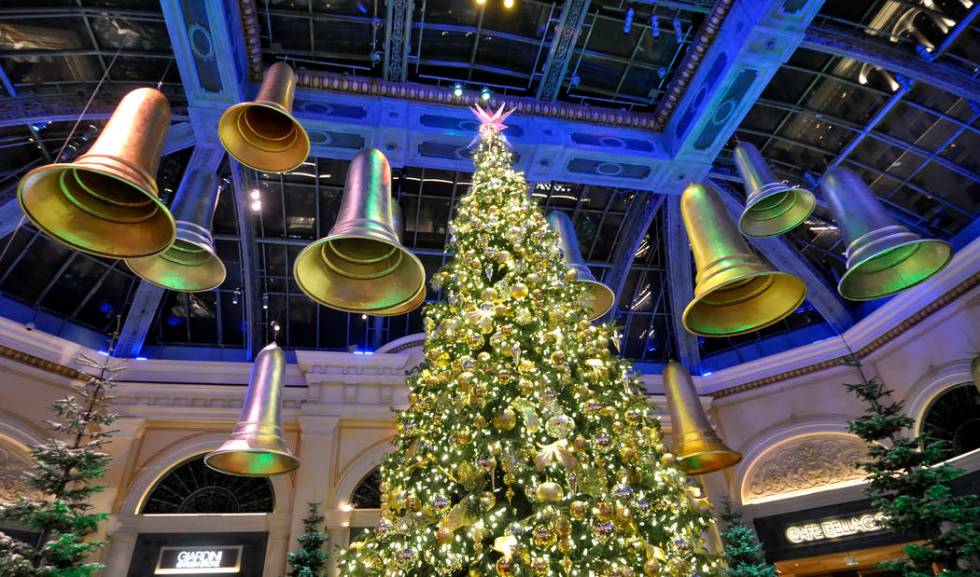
128, 427
318, 424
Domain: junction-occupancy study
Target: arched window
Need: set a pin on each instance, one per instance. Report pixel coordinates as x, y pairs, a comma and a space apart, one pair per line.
367, 494
954, 417
192, 487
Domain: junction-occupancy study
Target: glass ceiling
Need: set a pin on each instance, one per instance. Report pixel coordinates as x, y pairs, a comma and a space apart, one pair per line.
919, 155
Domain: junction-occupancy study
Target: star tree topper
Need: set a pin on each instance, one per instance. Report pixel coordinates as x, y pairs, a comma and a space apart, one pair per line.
490, 120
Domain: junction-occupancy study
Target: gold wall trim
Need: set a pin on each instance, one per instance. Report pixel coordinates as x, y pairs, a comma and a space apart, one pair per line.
890, 335
43, 364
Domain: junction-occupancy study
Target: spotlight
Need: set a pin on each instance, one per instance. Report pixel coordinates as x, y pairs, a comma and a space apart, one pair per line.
275, 327
508, 3
256, 205
265, 301
457, 90
256, 194
485, 94
235, 295
363, 317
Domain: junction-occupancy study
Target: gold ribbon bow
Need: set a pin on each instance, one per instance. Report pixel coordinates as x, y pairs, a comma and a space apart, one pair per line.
557, 451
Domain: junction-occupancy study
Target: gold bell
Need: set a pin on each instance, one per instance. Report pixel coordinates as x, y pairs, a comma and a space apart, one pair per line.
262, 134
257, 447
695, 444
772, 207
106, 202
736, 292
360, 266
190, 264
883, 257
600, 295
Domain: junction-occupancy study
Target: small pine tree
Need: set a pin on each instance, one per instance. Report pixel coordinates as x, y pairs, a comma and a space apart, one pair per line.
743, 552
64, 470
908, 481
310, 559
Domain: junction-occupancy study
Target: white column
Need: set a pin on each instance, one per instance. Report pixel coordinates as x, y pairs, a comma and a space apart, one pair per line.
313, 477
120, 450
119, 553
277, 545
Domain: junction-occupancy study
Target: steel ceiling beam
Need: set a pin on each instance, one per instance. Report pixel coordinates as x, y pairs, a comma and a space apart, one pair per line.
398, 39
242, 182
786, 258
636, 223
562, 48
148, 296
681, 288
881, 53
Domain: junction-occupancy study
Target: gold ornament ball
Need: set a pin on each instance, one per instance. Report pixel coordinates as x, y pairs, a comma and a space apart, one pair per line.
651, 568
487, 500
519, 291
603, 511
480, 421
627, 453
544, 536
463, 438
539, 567
563, 526
444, 536
668, 459
505, 419
505, 567
549, 492
578, 509
488, 294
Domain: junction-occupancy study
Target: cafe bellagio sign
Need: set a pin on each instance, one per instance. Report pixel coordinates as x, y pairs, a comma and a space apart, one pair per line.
191, 560
834, 528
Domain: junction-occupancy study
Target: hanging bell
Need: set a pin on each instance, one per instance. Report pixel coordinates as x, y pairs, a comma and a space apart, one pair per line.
106, 202
772, 207
883, 257
190, 264
419, 298
737, 292
262, 134
600, 296
695, 444
360, 266
257, 447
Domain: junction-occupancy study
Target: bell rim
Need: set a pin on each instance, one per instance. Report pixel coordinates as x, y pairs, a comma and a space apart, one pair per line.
609, 298
811, 199
43, 171
213, 263
287, 456
851, 270
731, 458
408, 306
379, 312
698, 299
240, 107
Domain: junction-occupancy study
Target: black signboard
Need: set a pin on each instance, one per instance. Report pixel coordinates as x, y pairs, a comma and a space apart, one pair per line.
199, 559
196, 554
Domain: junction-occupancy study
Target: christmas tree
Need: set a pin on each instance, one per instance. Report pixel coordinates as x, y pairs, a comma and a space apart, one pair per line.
65, 466
743, 552
527, 448
310, 559
908, 481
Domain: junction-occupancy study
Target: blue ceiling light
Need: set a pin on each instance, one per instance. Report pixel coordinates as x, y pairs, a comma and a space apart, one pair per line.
630, 13
655, 27
485, 94
457, 90
678, 32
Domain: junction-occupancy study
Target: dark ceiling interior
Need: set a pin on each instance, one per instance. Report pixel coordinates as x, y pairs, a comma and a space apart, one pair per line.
915, 144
